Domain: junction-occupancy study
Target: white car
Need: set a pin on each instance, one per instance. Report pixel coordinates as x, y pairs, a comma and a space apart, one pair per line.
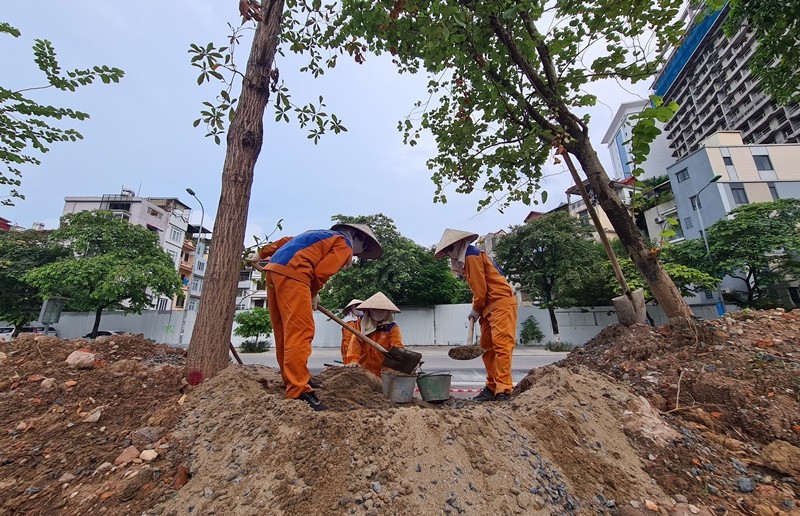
7, 331
105, 333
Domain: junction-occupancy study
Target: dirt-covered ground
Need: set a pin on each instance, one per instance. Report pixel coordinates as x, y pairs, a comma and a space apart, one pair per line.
674, 420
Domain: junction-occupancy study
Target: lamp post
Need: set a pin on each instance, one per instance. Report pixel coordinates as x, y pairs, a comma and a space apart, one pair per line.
203, 215
196, 255
721, 305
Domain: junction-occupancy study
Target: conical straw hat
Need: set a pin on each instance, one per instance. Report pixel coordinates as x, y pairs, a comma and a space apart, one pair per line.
354, 302
372, 248
379, 301
450, 237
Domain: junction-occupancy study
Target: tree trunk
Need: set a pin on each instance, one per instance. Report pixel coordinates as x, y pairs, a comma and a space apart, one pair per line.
553, 321
662, 287
97, 314
208, 349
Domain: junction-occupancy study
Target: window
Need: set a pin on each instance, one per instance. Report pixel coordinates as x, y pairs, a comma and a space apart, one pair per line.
682, 175
696, 204
201, 266
584, 217
154, 213
763, 163
179, 302
193, 305
162, 304
738, 193
244, 275
242, 292
197, 285
687, 223
709, 294
172, 254
175, 234
119, 206
728, 161
773, 191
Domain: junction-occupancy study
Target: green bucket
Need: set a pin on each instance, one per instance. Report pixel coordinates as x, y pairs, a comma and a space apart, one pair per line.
434, 386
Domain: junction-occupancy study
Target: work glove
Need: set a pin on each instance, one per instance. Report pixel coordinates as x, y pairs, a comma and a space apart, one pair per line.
474, 315
315, 301
351, 364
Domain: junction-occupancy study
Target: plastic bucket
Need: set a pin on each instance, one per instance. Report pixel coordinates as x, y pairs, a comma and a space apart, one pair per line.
434, 386
398, 387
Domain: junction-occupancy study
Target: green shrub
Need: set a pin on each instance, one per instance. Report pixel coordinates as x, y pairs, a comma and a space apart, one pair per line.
251, 346
531, 332
558, 346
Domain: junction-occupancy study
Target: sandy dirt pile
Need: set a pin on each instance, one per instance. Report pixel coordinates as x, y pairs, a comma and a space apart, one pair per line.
119, 432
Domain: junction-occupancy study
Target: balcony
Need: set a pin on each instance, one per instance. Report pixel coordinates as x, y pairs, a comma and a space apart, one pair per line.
185, 265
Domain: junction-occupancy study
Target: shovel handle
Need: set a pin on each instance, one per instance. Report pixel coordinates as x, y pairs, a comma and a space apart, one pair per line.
471, 332
352, 330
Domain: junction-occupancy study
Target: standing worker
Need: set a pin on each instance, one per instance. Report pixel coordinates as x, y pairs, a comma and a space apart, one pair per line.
493, 302
295, 274
352, 316
377, 323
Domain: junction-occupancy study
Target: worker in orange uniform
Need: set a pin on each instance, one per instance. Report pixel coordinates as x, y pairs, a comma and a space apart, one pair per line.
378, 324
352, 316
493, 303
295, 274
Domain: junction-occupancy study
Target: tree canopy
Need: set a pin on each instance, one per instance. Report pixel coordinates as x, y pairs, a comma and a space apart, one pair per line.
26, 125
253, 323
407, 273
20, 252
759, 244
112, 265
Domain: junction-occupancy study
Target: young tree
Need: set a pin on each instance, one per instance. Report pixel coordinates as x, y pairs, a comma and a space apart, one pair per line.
25, 124
506, 85
112, 265
545, 255
21, 251
407, 272
253, 323
759, 245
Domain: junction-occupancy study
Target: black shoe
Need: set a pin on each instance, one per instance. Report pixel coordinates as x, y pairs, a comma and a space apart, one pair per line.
503, 396
314, 385
313, 401
484, 395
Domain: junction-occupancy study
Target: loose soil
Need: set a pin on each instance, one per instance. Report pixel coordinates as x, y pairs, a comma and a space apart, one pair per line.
699, 418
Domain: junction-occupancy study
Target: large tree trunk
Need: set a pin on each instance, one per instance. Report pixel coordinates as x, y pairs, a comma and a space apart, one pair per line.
662, 287
208, 350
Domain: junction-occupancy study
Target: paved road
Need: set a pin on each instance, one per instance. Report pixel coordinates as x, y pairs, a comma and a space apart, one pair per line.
467, 374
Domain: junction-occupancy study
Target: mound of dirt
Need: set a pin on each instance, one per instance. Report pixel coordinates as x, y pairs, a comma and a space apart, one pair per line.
682, 419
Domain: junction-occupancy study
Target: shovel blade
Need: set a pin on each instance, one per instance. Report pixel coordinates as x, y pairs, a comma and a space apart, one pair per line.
465, 352
401, 359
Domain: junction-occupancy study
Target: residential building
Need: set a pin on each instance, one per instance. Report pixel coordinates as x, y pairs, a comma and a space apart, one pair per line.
487, 242
168, 217
749, 173
577, 208
708, 76
195, 250
617, 139
5, 224
251, 292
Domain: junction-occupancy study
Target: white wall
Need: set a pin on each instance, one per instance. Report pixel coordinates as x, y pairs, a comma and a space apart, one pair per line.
443, 325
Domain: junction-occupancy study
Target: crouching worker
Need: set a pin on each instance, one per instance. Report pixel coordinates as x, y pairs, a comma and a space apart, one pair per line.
377, 323
352, 316
295, 274
493, 303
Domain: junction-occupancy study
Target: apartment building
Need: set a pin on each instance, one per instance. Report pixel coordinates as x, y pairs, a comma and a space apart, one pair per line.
617, 139
250, 291
708, 76
168, 217
577, 208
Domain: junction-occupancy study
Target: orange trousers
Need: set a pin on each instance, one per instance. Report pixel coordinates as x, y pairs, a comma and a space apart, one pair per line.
498, 338
289, 304
347, 337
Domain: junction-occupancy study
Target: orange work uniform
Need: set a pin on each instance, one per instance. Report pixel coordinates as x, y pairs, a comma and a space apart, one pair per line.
494, 299
296, 272
387, 335
347, 336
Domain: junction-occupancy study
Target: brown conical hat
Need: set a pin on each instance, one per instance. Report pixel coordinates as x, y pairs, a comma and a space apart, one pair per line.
372, 248
354, 302
379, 301
450, 237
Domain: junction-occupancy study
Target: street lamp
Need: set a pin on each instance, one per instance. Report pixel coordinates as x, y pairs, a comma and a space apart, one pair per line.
721, 305
203, 216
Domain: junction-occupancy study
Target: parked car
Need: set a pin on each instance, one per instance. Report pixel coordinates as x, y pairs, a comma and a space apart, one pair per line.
7, 331
105, 333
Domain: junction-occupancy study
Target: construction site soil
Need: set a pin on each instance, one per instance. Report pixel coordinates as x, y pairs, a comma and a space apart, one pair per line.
688, 418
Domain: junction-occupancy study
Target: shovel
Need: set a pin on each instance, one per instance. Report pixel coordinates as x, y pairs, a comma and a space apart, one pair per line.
399, 359
469, 351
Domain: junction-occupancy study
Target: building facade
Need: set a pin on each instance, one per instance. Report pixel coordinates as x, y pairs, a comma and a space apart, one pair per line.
708, 76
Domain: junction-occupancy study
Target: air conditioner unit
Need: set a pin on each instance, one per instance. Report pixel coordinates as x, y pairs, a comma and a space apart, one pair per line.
660, 220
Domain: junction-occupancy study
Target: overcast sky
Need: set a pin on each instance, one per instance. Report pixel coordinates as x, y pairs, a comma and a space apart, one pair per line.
140, 134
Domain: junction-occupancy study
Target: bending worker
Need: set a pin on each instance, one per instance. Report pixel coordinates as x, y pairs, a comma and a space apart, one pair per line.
295, 274
352, 316
378, 324
493, 303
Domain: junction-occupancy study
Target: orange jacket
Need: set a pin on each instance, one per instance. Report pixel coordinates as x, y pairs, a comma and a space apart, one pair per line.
312, 257
387, 335
486, 281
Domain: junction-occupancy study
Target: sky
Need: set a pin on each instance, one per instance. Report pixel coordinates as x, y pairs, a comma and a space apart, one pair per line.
140, 133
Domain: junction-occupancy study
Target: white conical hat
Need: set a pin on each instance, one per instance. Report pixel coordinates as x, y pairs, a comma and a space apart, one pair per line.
379, 301
450, 237
354, 302
372, 248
